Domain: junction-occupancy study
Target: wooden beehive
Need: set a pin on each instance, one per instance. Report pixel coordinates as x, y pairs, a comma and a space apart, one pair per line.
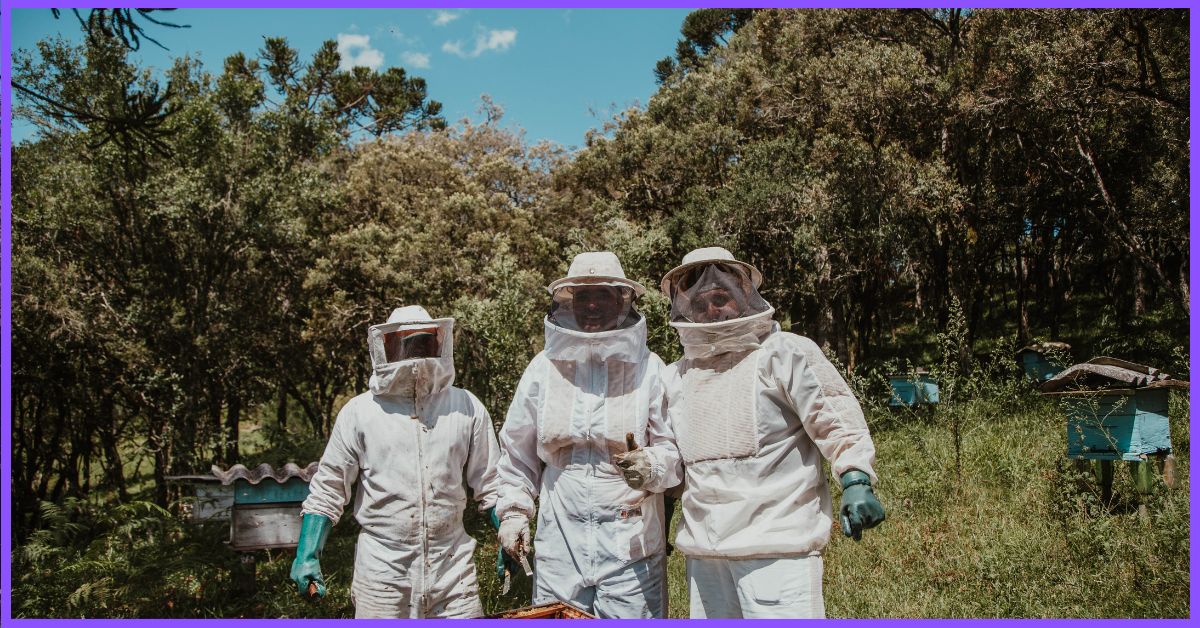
913, 389
1116, 410
1118, 425
552, 610
1039, 361
209, 500
266, 505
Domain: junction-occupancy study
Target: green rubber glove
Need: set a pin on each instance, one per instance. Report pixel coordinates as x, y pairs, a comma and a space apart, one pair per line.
314, 529
861, 510
503, 560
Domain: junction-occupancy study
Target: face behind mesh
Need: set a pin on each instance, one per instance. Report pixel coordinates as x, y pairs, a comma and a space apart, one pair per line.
390, 343
409, 344
592, 308
713, 293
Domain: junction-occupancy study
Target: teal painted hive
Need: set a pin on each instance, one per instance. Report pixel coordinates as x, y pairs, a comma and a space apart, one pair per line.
269, 492
266, 505
918, 389
1115, 410
1128, 426
1040, 361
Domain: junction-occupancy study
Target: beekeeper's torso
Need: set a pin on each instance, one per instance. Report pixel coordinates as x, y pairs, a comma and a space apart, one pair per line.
573, 406
754, 411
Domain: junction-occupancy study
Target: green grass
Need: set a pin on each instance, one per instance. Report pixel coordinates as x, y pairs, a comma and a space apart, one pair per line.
1021, 533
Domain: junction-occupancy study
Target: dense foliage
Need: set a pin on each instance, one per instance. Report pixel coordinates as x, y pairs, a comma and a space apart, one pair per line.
199, 255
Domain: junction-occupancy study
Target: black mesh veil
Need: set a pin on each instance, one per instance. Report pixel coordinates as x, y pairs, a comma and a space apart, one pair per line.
715, 292
593, 307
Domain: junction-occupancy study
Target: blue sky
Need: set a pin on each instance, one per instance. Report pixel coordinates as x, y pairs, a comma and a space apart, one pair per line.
555, 72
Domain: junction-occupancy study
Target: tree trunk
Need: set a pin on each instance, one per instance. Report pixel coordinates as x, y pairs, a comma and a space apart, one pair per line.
1139, 291
1022, 286
233, 414
215, 397
281, 408
114, 468
162, 460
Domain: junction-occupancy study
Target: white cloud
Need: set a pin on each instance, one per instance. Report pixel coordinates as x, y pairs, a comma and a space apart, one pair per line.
356, 51
415, 59
498, 40
442, 18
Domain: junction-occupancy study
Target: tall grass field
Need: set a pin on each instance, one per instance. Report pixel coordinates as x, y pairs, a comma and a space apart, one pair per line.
1005, 527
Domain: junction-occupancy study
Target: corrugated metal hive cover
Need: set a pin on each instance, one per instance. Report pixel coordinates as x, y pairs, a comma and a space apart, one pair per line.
1105, 372
1042, 347
264, 471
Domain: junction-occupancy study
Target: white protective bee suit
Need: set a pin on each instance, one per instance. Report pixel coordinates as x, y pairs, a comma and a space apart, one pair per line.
754, 411
413, 443
599, 544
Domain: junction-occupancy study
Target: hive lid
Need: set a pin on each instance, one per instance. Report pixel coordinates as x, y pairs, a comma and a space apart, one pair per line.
918, 372
264, 471
1104, 372
1042, 347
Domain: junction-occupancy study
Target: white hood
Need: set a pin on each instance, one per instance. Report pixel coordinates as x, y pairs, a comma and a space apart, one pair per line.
704, 340
626, 345
415, 378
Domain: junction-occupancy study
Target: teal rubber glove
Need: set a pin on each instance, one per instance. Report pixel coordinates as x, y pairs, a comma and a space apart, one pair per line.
861, 510
503, 560
314, 529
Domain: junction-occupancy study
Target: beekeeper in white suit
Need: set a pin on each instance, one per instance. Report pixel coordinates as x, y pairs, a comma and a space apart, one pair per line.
599, 543
754, 410
413, 443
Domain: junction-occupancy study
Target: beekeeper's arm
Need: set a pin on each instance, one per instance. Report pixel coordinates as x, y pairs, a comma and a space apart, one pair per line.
520, 469
482, 459
656, 466
834, 420
329, 491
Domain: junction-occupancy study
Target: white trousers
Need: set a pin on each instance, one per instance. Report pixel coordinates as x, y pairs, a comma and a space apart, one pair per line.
403, 606
635, 591
390, 583
756, 588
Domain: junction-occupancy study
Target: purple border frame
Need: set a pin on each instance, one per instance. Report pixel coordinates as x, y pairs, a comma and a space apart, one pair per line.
6, 242
629, 4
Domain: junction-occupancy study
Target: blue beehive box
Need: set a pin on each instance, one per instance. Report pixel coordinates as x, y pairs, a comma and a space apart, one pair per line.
1116, 410
1040, 361
1127, 426
266, 504
913, 390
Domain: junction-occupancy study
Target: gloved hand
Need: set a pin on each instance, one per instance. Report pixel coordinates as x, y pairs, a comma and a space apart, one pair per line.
503, 560
314, 529
635, 467
514, 535
861, 510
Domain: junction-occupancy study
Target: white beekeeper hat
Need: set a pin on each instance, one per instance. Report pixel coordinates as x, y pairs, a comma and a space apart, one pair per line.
708, 255
600, 268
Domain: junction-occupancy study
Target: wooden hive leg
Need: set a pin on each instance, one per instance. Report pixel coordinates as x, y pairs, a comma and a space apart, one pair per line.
1143, 477
244, 576
1103, 470
1143, 481
1168, 470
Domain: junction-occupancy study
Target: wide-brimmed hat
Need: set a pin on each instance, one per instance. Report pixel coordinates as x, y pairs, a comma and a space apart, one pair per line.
707, 255
412, 314
600, 268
